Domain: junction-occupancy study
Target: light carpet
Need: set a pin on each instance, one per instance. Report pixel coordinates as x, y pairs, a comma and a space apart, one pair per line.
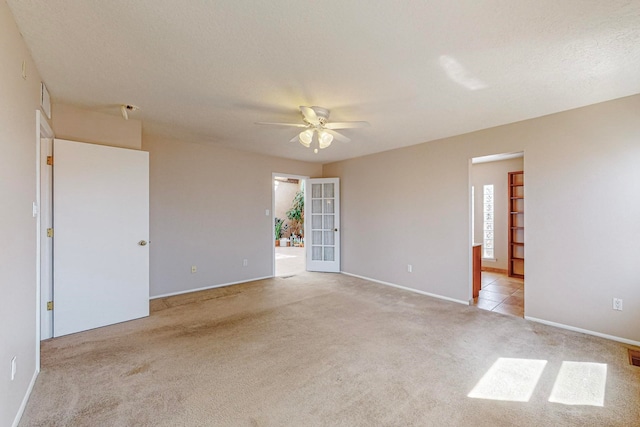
330, 350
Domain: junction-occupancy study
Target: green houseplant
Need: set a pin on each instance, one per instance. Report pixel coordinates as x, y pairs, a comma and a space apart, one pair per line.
296, 214
279, 229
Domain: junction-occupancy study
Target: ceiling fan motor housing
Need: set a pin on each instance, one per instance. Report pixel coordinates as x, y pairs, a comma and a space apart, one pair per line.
322, 113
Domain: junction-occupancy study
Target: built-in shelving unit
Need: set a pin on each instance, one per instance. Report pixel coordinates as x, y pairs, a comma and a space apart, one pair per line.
516, 224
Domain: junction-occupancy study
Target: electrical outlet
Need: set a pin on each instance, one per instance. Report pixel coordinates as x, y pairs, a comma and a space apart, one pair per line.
410, 268
617, 304
13, 368
245, 262
194, 268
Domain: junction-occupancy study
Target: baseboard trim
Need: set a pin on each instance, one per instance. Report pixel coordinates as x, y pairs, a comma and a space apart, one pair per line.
393, 285
171, 294
494, 270
584, 331
23, 405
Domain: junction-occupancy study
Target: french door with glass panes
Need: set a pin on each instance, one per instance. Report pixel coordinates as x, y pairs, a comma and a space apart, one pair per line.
322, 218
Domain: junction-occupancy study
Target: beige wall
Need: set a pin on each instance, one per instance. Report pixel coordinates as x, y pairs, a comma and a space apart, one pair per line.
494, 173
208, 209
77, 124
18, 104
411, 206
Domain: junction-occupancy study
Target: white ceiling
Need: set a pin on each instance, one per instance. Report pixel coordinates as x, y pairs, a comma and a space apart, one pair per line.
416, 70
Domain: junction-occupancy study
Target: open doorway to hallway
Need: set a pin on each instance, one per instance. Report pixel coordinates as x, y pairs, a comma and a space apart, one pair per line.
288, 212
497, 218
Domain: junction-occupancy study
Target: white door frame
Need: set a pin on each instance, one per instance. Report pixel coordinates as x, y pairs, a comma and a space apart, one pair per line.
43, 130
273, 214
45, 208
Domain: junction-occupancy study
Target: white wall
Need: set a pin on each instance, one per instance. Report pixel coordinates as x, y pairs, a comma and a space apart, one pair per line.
496, 174
18, 104
208, 209
582, 227
78, 124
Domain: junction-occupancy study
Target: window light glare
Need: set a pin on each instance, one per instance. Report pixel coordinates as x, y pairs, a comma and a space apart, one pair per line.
580, 383
459, 74
509, 380
487, 238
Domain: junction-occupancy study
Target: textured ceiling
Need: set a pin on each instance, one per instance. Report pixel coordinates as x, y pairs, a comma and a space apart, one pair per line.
416, 70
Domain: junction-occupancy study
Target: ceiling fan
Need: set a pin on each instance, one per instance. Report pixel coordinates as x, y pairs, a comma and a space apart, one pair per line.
316, 121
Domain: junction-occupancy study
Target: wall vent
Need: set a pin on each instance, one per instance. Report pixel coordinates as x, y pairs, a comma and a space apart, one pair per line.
634, 357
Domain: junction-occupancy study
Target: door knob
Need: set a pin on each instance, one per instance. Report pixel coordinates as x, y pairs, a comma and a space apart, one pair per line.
142, 243
335, 229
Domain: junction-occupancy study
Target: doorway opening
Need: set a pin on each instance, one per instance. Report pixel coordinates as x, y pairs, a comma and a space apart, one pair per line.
497, 232
288, 222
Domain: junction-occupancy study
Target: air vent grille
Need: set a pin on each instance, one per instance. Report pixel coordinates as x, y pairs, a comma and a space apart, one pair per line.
634, 357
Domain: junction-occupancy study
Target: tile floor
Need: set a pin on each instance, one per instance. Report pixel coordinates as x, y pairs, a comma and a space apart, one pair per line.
289, 261
502, 294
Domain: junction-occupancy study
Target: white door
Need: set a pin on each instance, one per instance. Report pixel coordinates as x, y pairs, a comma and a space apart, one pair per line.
322, 214
46, 243
101, 229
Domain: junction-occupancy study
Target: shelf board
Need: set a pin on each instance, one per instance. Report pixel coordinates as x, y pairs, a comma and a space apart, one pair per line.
516, 179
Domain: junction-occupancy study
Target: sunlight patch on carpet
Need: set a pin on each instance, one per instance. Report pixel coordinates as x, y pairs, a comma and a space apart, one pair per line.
580, 383
509, 379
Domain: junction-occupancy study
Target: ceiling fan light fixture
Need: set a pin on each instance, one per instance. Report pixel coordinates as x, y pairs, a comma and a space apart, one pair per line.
316, 120
324, 139
306, 137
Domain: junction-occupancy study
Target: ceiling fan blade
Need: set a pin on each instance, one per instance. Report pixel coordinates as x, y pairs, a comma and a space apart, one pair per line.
338, 136
295, 125
295, 138
346, 125
310, 115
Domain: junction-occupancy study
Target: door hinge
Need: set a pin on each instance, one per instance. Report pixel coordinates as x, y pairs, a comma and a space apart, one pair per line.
50, 160
49, 305
49, 232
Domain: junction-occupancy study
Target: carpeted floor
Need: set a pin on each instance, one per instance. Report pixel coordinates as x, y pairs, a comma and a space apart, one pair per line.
330, 350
